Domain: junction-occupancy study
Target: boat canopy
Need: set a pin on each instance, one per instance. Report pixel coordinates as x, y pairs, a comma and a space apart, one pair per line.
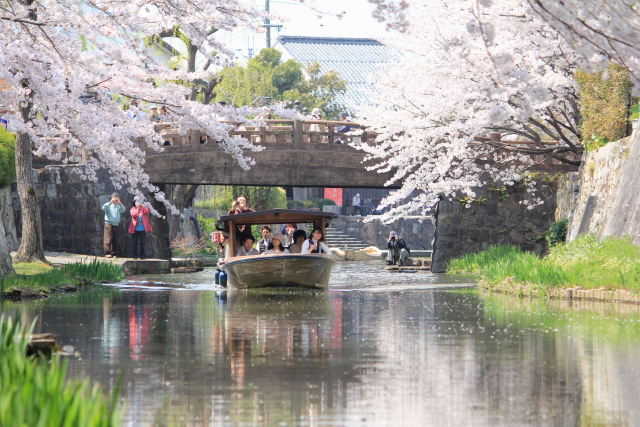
279, 216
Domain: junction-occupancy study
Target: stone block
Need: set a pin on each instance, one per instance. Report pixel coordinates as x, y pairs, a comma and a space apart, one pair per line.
88, 189
336, 209
76, 190
51, 243
51, 191
82, 205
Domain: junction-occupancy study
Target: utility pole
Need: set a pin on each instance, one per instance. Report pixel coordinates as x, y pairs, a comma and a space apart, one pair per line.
267, 23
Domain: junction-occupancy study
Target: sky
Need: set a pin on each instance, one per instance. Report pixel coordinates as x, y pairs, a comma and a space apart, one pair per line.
303, 21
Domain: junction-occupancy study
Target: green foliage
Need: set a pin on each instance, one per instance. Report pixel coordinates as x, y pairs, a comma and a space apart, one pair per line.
37, 394
258, 198
267, 76
557, 233
603, 99
95, 271
634, 112
310, 203
613, 263
7, 158
207, 225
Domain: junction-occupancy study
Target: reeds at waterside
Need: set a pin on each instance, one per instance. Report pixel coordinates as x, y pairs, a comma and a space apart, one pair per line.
94, 271
613, 263
36, 393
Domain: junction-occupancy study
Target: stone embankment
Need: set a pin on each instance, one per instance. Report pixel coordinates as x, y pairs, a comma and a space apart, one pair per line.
498, 216
509, 287
604, 196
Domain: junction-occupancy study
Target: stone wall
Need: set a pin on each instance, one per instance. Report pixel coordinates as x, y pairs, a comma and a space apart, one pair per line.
416, 231
604, 196
72, 216
496, 218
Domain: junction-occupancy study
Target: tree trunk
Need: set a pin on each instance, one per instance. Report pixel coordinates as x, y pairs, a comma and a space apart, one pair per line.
6, 217
180, 196
31, 249
5, 257
160, 226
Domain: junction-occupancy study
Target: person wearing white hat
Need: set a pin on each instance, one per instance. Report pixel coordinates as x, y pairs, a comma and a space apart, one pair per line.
316, 127
275, 247
398, 251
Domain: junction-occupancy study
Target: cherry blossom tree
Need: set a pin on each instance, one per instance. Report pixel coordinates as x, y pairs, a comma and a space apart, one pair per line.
601, 31
67, 65
466, 68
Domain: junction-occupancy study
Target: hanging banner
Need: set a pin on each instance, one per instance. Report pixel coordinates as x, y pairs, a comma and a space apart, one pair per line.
334, 194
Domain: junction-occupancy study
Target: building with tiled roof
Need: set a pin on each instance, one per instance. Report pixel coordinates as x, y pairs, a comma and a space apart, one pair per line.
354, 59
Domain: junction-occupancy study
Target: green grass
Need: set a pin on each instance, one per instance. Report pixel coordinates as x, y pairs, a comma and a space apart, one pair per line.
94, 271
30, 268
613, 263
36, 393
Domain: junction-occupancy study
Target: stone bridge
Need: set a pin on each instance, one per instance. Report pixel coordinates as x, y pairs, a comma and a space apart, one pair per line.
297, 153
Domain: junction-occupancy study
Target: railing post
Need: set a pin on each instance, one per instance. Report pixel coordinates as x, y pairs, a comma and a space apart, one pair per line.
194, 140
298, 134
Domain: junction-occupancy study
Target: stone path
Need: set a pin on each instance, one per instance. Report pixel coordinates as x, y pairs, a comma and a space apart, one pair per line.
67, 258
129, 265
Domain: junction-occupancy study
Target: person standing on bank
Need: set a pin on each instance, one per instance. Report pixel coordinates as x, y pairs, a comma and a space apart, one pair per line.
139, 227
398, 251
113, 211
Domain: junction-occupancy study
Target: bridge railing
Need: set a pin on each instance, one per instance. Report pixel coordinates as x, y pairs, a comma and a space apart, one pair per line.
297, 134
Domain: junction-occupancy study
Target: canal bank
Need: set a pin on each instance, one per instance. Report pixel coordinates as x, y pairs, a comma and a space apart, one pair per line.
73, 272
131, 266
606, 270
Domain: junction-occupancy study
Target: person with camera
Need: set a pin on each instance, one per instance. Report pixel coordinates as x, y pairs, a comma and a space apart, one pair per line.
239, 206
398, 251
113, 211
138, 228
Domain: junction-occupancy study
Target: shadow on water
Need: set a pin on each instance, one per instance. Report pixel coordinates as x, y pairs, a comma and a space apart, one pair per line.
378, 349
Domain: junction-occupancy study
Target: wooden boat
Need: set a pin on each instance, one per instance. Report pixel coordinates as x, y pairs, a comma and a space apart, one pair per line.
271, 270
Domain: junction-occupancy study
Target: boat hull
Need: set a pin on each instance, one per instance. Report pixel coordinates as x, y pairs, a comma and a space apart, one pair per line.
293, 270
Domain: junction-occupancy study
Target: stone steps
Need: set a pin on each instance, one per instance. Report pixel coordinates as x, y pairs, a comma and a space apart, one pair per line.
341, 240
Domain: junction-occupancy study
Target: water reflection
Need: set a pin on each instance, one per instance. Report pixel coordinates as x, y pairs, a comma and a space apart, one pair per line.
377, 350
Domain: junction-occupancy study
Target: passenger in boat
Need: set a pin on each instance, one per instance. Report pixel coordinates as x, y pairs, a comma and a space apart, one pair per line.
266, 239
398, 251
298, 238
247, 247
275, 247
223, 248
287, 230
316, 244
240, 206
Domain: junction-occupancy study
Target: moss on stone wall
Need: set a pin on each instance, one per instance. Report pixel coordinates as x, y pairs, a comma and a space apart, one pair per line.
604, 99
7, 158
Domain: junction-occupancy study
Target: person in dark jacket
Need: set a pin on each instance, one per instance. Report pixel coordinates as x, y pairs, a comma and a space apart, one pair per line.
342, 129
398, 251
240, 206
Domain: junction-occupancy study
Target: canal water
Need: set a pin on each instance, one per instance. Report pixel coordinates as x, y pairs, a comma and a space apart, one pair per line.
377, 349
